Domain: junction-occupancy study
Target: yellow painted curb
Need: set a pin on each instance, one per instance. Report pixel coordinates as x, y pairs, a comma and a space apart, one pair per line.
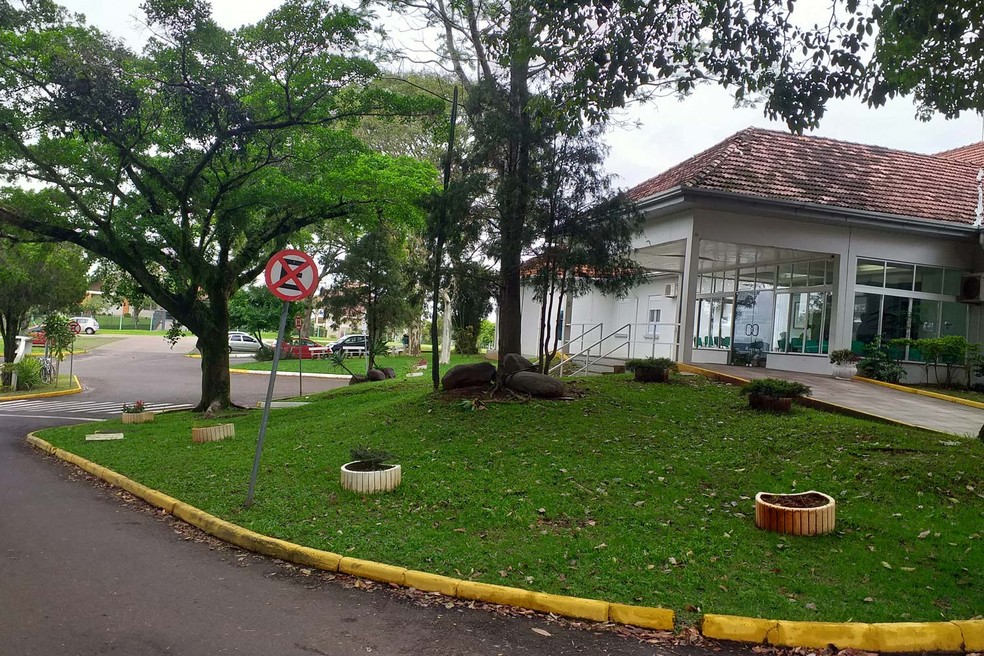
47, 395
371, 570
316, 558
649, 618
921, 392
589, 609
879, 637
432, 582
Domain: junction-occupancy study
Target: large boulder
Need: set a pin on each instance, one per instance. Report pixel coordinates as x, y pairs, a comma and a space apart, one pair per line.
535, 384
513, 363
463, 376
375, 375
389, 371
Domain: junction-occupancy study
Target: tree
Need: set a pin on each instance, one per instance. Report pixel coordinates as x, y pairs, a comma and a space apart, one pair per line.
255, 309
523, 60
38, 278
119, 288
190, 165
473, 291
587, 232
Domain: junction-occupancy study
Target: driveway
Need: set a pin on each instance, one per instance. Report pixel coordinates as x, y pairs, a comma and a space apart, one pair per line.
83, 571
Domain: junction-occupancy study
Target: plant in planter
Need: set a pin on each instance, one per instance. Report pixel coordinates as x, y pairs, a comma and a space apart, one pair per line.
774, 394
136, 413
651, 370
368, 472
844, 363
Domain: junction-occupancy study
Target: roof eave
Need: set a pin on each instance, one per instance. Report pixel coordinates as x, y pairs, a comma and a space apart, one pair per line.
679, 197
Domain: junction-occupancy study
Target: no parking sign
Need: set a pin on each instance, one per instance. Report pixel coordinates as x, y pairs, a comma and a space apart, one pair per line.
291, 275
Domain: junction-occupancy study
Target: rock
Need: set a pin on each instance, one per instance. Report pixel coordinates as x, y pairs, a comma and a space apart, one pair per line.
389, 371
355, 380
512, 363
375, 375
536, 384
462, 376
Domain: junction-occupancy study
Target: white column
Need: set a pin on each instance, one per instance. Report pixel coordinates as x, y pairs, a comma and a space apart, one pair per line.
688, 296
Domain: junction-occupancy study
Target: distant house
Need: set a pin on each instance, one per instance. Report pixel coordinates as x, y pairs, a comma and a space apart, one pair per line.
772, 249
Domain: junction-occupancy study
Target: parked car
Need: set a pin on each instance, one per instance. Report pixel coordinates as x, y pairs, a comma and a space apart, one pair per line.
88, 324
243, 342
300, 348
37, 335
350, 343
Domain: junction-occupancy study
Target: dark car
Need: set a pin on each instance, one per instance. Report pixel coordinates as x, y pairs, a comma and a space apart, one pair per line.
301, 348
353, 344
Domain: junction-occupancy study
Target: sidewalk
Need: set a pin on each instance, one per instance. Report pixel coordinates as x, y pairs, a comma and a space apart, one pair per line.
874, 400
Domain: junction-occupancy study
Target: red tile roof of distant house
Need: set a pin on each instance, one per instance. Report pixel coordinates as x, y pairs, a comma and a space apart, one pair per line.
787, 167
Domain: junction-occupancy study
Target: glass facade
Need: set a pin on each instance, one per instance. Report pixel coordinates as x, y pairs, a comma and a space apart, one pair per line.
898, 300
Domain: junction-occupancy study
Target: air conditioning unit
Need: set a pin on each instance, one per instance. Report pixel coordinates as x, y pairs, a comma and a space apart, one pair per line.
670, 291
972, 288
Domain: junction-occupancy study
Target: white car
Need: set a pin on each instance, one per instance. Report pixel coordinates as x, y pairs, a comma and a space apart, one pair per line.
243, 342
88, 324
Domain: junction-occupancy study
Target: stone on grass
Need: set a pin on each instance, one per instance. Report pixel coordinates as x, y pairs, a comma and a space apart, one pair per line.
512, 363
534, 384
375, 375
463, 376
389, 371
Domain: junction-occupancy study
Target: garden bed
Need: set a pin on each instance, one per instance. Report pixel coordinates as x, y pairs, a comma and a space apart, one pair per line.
631, 493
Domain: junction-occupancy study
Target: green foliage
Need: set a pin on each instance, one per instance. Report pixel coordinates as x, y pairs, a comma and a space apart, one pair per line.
58, 337
776, 388
949, 351
372, 457
486, 334
465, 340
255, 309
843, 356
651, 363
264, 354
878, 363
134, 408
28, 373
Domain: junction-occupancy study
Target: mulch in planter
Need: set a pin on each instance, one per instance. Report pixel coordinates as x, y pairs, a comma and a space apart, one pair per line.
809, 500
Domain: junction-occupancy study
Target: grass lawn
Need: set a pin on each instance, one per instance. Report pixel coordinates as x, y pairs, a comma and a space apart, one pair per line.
633, 493
968, 394
401, 364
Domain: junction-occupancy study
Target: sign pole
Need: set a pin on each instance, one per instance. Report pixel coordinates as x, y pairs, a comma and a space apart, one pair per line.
266, 405
298, 324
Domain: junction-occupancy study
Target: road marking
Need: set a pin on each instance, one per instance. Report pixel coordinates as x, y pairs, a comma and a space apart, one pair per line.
78, 407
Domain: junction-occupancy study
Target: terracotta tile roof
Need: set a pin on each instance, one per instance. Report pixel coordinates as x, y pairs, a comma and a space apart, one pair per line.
974, 153
776, 165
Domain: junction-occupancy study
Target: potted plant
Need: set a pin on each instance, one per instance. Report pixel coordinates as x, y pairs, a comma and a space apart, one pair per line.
774, 394
136, 413
844, 363
368, 472
651, 370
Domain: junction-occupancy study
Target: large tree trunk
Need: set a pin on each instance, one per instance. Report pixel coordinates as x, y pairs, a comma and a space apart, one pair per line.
8, 330
213, 343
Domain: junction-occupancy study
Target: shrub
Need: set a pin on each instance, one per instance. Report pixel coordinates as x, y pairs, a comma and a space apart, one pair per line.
879, 364
776, 388
28, 373
843, 356
136, 407
650, 363
264, 354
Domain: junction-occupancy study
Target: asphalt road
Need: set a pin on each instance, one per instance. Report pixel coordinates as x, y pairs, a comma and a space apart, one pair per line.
83, 571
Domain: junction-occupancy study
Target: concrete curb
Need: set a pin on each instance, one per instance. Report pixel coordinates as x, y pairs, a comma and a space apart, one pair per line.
954, 636
590, 609
807, 401
920, 392
77, 389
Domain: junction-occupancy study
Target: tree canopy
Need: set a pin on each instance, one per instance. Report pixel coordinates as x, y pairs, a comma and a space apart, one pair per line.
190, 164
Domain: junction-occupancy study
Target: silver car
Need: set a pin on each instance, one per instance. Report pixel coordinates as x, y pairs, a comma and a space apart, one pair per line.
243, 342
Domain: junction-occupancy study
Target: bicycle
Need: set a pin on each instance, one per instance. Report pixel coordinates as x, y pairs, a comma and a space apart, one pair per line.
47, 370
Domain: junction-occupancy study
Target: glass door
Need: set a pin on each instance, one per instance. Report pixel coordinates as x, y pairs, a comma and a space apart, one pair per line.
754, 311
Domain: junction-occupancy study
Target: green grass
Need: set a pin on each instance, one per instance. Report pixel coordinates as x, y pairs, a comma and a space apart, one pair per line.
633, 493
64, 382
401, 364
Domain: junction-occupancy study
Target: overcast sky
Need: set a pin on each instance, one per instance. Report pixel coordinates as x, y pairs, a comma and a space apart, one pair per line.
671, 130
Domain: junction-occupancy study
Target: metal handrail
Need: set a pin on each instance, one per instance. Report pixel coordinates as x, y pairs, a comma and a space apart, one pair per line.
588, 360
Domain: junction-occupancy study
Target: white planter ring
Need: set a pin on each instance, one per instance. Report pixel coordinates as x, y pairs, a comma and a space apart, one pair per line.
370, 482
795, 521
213, 433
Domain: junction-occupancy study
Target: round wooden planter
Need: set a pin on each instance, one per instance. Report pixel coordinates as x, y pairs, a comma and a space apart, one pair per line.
137, 417
805, 513
651, 375
770, 403
213, 433
844, 371
370, 482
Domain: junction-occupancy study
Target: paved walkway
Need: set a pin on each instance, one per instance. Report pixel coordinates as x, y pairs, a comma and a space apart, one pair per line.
894, 405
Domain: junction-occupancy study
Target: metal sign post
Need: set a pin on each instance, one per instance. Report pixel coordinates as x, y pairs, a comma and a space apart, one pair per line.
291, 275
298, 324
76, 328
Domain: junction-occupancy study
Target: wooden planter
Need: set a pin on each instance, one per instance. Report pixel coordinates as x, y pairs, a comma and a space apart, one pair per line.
137, 417
651, 375
213, 433
805, 513
770, 403
370, 482
844, 371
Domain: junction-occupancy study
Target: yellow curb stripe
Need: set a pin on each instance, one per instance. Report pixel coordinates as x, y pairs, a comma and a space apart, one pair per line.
589, 609
75, 389
922, 392
368, 569
324, 560
878, 637
648, 618
973, 634
432, 582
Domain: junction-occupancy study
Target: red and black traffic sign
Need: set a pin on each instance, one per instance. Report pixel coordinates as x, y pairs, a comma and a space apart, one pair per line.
291, 275
75, 327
